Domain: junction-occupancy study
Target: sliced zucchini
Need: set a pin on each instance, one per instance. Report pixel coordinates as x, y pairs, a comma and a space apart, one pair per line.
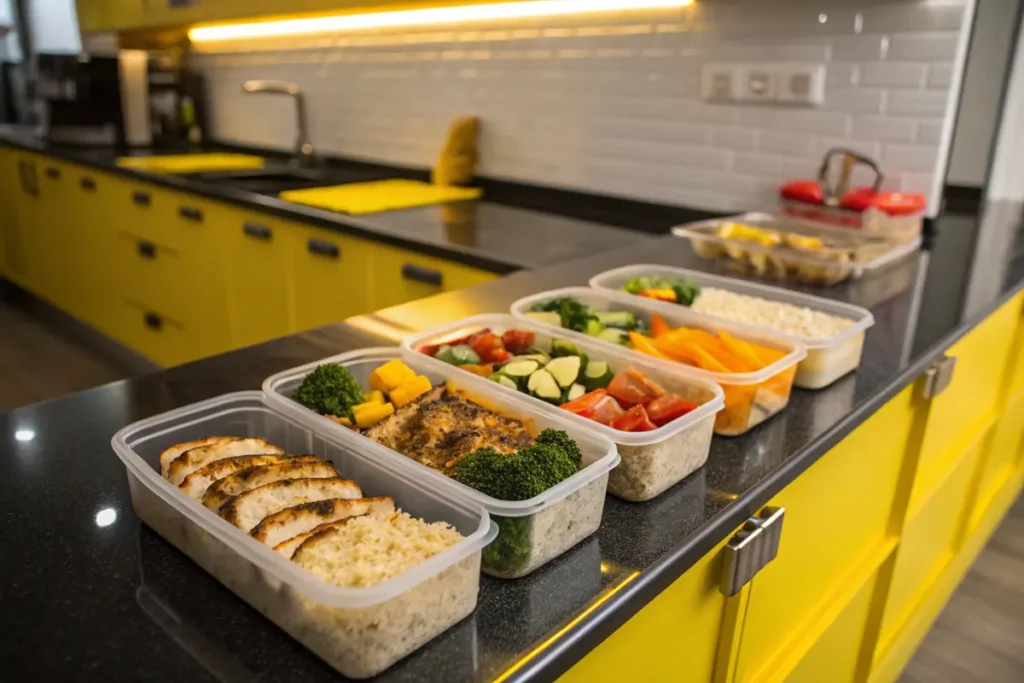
593, 328
543, 386
598, 375
574, 392
565, 370
546, 317
615, 336
621, 319
518, 369
508, 382
541, 358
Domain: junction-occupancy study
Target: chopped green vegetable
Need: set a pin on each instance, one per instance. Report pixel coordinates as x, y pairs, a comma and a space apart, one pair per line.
541, 358
542, 385
573, 315
594, 328
504, 381
565, 370
685, 290
547, 317
615, 336
598, 375
574, 392
510, 551
463, 354
330, 390
519, 368
623, 320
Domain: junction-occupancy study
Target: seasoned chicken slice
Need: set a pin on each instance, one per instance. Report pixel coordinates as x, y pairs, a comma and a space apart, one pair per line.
444, 427
173, 452
195, 484
246, 510
192, 459
294, 521
253, 477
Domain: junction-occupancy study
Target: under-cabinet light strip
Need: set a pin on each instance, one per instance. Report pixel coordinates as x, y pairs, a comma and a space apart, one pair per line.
422, 17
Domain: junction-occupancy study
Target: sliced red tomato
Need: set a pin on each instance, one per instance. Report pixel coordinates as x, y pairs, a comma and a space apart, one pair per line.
667, 408
518, 341
429, 349
490, 348
632, 388
634, 420
597, 406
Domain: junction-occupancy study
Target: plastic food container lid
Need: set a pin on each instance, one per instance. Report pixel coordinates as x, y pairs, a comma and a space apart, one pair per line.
127, 440
612, 280
602, 299
619, 360
599, 453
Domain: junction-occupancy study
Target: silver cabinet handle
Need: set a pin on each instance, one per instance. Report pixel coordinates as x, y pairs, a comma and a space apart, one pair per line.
751, 549
938, 376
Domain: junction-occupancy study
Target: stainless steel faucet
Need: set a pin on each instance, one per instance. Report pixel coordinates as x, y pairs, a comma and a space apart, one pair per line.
304, 154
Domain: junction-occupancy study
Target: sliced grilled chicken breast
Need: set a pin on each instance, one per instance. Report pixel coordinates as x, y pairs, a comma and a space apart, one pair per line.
225, 489
288, 548
246, 510
192, 459
195, 484
294, 521
168, 456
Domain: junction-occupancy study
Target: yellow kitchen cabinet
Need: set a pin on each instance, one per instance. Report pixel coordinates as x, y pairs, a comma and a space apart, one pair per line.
8, 209
1003, 460
330, 276
400, 276
106, 15
257, 251
27, 246
831, 543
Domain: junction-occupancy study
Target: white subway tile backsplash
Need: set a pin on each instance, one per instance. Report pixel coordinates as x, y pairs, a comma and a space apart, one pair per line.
916, 103
611, 103
895, 74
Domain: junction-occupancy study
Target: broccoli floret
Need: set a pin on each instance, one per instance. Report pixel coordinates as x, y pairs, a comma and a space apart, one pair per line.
528, 472
574, 314
330, 390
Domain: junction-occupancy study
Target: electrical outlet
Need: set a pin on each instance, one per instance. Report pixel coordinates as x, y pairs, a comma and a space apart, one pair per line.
719, 83
801, 84
757, 83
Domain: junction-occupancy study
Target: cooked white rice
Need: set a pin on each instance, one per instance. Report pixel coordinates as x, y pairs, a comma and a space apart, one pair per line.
775, 315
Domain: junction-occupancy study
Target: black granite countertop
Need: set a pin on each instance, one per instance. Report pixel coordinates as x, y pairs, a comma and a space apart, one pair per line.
494, 237
85, 601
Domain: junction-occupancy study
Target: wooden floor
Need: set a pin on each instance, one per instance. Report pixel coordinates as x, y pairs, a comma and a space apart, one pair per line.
978, 637
39, 362
980, 634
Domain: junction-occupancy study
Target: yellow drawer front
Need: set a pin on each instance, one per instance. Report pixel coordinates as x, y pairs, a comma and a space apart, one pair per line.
673, 638
930, 540
257, 253
830, 543
1018, 352
836, 655
970, 401
400, 276
1004, 453
161, 339
174, 219
331, 277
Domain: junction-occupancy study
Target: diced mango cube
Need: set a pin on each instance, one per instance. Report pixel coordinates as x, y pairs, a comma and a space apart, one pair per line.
374, 414
374, 396
390, 375
365, 406
409, 391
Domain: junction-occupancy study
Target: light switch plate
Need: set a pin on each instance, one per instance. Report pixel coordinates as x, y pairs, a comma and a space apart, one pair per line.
801, 84
719, 83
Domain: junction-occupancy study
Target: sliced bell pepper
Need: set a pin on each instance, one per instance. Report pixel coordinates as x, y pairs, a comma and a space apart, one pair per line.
659, 327
646, 345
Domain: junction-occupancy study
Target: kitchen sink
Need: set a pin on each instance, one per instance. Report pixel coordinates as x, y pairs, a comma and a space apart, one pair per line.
272, 180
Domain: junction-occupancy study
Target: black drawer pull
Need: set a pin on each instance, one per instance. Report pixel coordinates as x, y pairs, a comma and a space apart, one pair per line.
147, 249
190, 213
153, 321
260, 232
411, 271
141, 198
53, 173
323, 248
88, 184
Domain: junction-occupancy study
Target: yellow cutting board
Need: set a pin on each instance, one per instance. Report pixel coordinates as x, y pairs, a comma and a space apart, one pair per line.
380, 195
191, 163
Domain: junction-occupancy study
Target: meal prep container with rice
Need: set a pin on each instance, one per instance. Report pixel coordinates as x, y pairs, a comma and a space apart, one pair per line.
845, 253
651, 461
750, 397
827, 360
531, 532
358, 631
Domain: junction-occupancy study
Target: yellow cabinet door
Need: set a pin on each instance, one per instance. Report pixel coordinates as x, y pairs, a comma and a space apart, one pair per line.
28, 245
258, 276
330, 277
8, 208
90, 242
831, 544
400, 276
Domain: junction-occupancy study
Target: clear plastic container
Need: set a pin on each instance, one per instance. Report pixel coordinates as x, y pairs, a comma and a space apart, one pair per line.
531, 532
358, 631
827, 359
651, 461
842, 254
750, 397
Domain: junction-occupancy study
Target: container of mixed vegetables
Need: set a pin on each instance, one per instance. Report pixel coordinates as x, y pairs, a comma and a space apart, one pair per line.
661, 421
754, 369
541, 477
832, 331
